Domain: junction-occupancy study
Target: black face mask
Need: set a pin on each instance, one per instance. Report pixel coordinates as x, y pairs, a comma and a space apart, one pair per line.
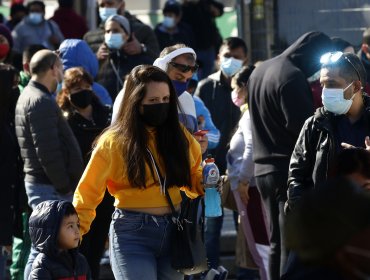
81, 99
155, 114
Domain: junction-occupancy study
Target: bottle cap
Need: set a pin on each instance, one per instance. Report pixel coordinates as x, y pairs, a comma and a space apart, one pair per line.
209, 159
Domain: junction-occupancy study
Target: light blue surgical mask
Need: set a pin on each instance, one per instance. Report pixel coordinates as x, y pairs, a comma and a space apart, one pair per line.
114, 40
35, 18
105, 13
168, 22
230, 66
334, 101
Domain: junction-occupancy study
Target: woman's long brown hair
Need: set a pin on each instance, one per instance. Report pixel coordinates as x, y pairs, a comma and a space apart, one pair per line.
129, 129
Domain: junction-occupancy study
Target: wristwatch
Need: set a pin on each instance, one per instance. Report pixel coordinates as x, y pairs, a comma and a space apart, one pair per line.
143, 48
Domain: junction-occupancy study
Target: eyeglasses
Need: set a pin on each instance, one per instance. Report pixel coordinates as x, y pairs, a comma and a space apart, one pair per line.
184, 68
332, 58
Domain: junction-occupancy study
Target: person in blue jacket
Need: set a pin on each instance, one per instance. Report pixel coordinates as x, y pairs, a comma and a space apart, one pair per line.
77, 53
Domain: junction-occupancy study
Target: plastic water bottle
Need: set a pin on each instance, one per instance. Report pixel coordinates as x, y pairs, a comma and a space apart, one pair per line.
212, 199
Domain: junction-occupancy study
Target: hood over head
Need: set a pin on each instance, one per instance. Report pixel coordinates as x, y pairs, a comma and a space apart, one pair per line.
306, 51
77, 53
44, 225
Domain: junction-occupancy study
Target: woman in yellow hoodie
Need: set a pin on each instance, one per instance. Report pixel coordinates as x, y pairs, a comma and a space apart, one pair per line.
147, 124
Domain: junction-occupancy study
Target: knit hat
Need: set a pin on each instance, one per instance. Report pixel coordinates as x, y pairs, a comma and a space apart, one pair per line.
6, 33
122, 21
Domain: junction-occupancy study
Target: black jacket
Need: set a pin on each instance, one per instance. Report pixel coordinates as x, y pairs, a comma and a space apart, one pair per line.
183, 35
215, 92
113, 70
13, 200
48, 147
85, 130
51, 263
315, 152
280, 100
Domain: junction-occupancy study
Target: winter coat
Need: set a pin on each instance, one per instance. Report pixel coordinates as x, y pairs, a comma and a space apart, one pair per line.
280, 100
182, 34
49, 149
315, 152
51, 263
76, 53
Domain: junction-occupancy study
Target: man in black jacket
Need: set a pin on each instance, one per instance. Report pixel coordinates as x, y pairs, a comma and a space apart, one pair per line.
344, 121
52, 158
280, 100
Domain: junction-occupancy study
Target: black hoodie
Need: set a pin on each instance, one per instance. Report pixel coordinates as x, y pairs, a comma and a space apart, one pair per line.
52, 263
280, 100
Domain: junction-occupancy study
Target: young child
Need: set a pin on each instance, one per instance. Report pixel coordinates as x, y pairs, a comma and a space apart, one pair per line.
55, 233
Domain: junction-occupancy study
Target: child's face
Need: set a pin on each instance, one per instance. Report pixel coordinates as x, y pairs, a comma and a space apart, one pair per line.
69, 233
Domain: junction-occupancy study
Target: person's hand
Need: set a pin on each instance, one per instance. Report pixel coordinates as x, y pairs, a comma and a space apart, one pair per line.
349, 146
220, 183
133, 46
243, 188
103, 52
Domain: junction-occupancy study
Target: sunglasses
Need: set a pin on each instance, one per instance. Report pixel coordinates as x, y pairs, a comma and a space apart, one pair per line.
184, 68
334, 57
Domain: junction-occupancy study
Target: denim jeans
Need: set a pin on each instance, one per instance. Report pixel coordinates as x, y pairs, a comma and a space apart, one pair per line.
139, 246
37, 193
212, 236
272, 188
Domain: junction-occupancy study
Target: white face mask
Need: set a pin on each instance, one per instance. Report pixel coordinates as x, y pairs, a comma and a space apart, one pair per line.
334, 101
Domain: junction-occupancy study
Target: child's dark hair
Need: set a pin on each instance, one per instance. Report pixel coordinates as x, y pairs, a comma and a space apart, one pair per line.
69, 210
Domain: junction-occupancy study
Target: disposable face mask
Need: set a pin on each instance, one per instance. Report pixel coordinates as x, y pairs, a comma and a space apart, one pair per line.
35, 18
236, 100
168, 22
334, 101
114, 40
230, 66
105, 13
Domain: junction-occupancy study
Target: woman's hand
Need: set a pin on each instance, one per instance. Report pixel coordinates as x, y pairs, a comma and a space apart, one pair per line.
243, 189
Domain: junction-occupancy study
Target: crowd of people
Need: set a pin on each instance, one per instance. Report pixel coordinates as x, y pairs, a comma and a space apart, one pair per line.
98, 126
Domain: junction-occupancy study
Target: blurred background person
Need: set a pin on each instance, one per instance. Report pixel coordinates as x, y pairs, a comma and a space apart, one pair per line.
17, 13
13, 200
172, 30
72, 25
88, 117
35, 29
117, 62
76, 53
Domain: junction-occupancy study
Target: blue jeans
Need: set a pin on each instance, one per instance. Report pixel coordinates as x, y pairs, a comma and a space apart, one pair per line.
212, 236
37, 193
139, 246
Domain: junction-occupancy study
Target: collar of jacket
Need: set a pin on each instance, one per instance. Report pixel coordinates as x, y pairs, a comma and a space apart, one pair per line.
220, 78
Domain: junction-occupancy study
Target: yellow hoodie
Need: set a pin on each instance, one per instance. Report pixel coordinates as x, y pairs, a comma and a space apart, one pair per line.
106, 169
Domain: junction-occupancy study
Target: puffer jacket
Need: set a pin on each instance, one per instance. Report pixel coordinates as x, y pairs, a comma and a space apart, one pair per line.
49, 149
314, 153
51, 263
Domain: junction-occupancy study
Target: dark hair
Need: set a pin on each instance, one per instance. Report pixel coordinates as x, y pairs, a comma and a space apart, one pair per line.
65, 3
347, 70
72, 77
234, 43
366, 36
30, 51
69, 210
7, 77
39, 3
130, 131
172, 6
15, 8
241, 78
355, 160
42, 61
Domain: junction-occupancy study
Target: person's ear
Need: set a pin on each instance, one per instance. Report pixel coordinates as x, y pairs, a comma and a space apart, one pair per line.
26, 67
365, 48
357, 86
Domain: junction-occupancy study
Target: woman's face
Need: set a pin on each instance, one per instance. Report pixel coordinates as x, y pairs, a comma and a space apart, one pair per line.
156, 92
79, 87
114, 27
